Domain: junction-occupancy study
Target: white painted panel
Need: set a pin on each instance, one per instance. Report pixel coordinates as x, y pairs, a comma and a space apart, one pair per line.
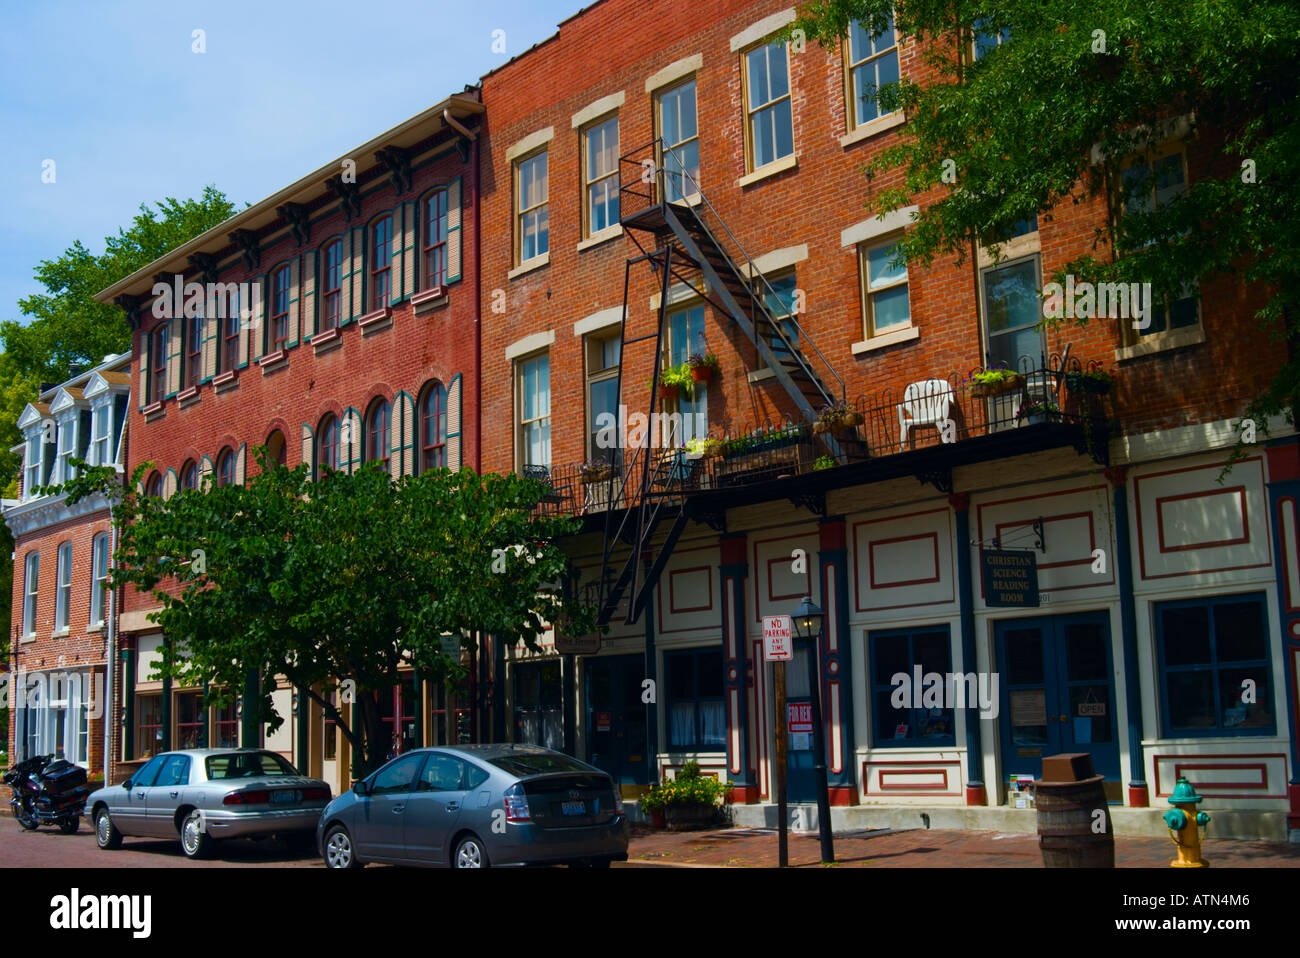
282, 739
148, 656
904, 560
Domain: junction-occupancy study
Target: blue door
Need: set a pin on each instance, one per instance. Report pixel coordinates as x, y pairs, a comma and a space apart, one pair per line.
616, 718
800, 780
1058, 693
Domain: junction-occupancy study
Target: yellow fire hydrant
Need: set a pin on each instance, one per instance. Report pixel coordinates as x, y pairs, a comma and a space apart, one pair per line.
1186, 826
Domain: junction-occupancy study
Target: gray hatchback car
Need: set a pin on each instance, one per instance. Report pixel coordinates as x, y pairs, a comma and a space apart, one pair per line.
472, 806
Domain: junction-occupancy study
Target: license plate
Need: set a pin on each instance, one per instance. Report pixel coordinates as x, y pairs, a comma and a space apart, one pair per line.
574, 808
284, 797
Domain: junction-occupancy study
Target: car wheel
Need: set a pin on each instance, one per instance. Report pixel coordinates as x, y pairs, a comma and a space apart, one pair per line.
26, 815
195, 843
339, 852
469, 853
70, 824
106, 833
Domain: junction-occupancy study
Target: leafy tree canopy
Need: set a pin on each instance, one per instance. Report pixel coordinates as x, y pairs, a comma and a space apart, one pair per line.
1049, 116
343, 578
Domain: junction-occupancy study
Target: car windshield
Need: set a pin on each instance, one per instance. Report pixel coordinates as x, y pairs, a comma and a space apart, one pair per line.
533, 763
248, 765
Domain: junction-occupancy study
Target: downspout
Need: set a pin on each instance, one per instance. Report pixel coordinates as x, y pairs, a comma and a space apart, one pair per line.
110, 678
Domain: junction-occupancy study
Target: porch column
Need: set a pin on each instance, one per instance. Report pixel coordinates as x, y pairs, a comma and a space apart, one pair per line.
976, 794
1284, 509
837, 696
1138, 794
651, 706
736, 680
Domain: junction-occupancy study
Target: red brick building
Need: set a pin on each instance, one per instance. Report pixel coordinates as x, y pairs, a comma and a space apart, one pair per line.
640, 174
353, 339
62, 633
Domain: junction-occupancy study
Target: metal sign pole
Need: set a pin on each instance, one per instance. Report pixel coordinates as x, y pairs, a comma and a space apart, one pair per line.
782, 817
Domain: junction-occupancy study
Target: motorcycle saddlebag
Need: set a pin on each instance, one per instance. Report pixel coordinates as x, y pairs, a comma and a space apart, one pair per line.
62, 776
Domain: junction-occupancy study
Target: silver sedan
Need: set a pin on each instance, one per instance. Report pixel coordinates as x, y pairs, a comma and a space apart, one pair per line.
204, 795
477, 805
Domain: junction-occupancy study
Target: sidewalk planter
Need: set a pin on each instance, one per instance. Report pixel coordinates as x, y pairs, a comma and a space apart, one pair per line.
690, 800
686, 816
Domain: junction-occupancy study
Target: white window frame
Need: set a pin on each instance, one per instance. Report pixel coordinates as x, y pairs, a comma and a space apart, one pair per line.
869, 329
31, 592
63, 587
68, 427
34, 467
669, 170
594, 345
542, 421
98, 579
851, 92
752, 110
588, 184
542, 207
100, 454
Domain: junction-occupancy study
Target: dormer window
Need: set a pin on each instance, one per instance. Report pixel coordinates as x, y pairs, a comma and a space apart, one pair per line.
101, 436
63, 470
32, 475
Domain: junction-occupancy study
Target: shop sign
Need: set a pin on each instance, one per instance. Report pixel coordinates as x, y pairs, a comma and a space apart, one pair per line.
577, 644
1010, 578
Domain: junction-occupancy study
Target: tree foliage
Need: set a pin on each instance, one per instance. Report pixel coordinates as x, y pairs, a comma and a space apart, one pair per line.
1048, 117
344, 578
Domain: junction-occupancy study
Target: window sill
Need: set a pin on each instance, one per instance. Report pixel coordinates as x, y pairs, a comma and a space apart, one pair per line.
430, 299
227, 380
771, 169
273, 362
1161, 342
886, 339
867, 130
95, 628
604, 236
153, 411
537, 262
27, 638
59, 633
325, 336
375, 319
187, 397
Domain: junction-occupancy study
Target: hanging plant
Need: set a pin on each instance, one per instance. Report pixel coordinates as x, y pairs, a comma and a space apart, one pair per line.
703, 366
675, 381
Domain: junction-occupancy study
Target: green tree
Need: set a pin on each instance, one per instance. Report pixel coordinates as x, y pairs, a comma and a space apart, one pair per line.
340, 579
1078, 80
68, 329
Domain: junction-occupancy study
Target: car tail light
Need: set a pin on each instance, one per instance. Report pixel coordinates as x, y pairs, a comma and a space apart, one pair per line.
517, 805
255, 796
316, 794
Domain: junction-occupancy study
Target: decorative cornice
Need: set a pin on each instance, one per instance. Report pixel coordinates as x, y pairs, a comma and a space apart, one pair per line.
398, 163
131, 305
296, 215
36, 514
206, 264
250, 247
349, 195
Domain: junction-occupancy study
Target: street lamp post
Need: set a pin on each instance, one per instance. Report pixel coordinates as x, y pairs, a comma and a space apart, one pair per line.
807, 620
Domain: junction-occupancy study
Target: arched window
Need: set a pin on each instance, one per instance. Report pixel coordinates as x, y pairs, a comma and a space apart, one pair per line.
381, 250
154, 486
435, 239
276, 448
327, 445
378, 422
189, 475
226, 468
332, 258
279, 328
433, 427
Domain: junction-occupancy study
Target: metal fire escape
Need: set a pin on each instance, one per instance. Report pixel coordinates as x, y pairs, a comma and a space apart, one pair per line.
682, 238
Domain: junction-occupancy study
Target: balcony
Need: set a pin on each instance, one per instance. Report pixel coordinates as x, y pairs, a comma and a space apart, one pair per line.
925, 430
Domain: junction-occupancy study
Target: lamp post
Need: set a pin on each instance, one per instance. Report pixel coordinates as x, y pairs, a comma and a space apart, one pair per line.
807, 620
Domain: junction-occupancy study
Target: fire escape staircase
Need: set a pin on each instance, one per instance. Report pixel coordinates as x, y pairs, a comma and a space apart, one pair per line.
682, 238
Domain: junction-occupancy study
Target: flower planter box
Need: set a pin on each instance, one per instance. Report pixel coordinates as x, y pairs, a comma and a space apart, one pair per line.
686, 816
1082, 383
597, 476
1010, 384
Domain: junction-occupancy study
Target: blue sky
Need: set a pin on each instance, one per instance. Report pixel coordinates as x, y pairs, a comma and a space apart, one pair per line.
115, 95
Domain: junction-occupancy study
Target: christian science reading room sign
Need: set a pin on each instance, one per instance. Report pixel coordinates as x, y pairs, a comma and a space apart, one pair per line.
1010, 578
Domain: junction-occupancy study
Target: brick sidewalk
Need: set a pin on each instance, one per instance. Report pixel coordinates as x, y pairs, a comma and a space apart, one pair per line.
922, 848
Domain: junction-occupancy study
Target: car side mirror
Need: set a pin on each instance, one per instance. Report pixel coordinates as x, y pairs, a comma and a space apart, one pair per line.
127, 785
361, 788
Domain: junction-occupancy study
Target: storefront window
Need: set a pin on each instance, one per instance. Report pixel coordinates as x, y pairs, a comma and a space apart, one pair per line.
697, 719
1214, 666
538, 710
149, 730
189, 720
904, 714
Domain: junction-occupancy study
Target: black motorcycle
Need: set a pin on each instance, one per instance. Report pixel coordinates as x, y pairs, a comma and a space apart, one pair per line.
47, 791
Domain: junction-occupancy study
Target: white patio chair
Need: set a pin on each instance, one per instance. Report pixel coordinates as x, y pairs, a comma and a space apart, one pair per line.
924, 404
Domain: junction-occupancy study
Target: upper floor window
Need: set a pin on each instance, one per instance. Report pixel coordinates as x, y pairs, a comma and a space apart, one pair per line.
769, 122
192, 354
534, 390
101, 452
67, 443
327, 445
678, 125
99, 579
600, 175
31, 587
873, 63
987, 39
433, 427
228, 327
885, 304
333, 285
602, 395
189, 475
381, 253
278, 331
1154, 181
434, 262
686, 337
532, 229
158, 363
277, 448
62, 586
1012, 314
226, 468
154, 486
377, 433
35, 457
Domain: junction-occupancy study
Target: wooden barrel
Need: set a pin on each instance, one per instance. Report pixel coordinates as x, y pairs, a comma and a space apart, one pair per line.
1067, 835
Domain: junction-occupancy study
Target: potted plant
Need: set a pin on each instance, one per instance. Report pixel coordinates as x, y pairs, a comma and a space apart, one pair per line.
836, 417
595, 470
702, 366
690, 800
824, 462
1038, 411
995, 382
675, 381
704, 448
1095, 382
